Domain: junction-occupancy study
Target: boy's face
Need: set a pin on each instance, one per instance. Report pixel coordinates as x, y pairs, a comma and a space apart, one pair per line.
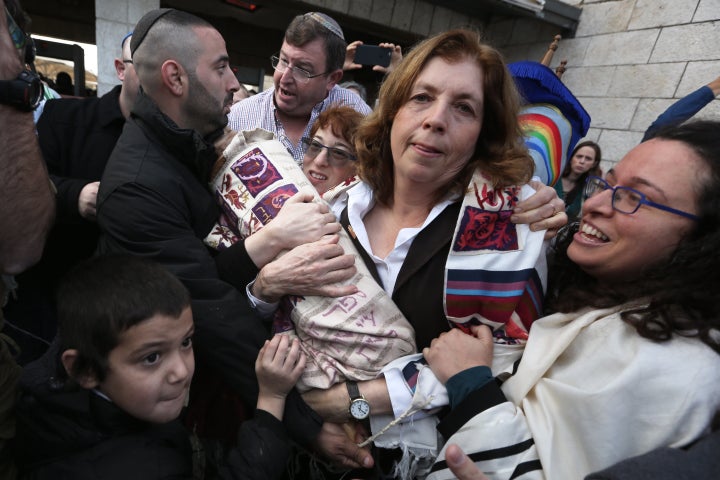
150, 370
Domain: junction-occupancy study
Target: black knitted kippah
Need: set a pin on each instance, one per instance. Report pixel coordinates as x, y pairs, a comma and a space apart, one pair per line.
144, 26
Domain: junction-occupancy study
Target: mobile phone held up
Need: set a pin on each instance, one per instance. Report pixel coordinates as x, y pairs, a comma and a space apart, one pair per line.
373, 55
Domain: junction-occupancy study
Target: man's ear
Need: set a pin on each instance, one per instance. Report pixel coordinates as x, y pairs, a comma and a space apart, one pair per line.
334, 78
174, 77
85, 380
120, 69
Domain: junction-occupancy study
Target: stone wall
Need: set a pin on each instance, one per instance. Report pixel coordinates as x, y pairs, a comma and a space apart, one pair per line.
629, 60
113, 21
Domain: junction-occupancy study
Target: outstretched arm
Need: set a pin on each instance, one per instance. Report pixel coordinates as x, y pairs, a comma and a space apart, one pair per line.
27, 203
684, 108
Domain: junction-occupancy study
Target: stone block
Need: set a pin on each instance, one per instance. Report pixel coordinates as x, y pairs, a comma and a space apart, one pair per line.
687, 43
605, 17
342, 6
458, 20
655, 80
516, 53
421, 17
499, 32
381, 12
360, 8
476, 23
110, 10
593, 135
708, 10
589, 81
710, 112
626, 48
138, 8
660, 13
529, 29
615, 145
647, 111
573, 50
402, 14
610, 112
696, 75
108, 36
440, 20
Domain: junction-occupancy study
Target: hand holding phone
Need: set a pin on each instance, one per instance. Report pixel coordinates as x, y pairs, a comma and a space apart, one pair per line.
372, 55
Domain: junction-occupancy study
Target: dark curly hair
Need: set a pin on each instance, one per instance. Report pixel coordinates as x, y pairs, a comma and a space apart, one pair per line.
677, 296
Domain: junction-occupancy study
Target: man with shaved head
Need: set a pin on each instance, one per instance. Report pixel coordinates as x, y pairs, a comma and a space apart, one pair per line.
154, 200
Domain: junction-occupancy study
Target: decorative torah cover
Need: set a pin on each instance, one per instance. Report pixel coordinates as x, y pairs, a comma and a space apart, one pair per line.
349, 337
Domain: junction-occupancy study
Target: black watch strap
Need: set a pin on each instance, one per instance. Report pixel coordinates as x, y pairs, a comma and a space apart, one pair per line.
353, 390
23, 93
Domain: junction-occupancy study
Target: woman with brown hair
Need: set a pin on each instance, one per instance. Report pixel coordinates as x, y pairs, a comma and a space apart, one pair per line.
443, 170
584, 161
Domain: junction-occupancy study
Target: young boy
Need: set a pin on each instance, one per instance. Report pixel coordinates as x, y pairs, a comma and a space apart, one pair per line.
103, 402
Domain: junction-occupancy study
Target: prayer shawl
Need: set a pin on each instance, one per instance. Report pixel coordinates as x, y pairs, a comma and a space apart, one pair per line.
588, 393
350, 337
495, 275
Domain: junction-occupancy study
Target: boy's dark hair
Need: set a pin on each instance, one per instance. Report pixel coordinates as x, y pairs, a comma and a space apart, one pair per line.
103, 297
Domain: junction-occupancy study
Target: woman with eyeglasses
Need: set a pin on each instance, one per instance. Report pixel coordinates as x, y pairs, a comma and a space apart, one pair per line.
329, 151
630, 362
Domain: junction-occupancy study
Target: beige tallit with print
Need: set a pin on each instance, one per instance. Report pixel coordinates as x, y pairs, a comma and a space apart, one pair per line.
350, 337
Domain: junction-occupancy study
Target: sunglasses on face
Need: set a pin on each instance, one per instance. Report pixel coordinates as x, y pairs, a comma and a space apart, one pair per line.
336, 157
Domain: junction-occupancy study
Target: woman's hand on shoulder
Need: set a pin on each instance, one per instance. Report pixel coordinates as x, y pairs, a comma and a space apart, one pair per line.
543, 210
454, 351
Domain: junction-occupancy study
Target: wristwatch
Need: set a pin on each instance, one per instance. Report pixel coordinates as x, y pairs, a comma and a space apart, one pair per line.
359, 407
23, 93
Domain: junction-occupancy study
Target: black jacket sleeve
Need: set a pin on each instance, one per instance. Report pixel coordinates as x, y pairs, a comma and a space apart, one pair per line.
262, 450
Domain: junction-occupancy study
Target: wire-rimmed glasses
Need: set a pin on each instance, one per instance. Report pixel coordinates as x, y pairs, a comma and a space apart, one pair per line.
299, 74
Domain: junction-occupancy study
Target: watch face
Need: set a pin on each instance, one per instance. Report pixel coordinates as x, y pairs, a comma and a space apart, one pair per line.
360, 409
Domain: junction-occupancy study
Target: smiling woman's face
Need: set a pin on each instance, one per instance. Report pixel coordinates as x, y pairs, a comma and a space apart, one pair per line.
614, 246
321, 173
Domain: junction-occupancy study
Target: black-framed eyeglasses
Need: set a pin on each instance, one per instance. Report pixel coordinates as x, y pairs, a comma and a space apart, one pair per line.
127, 61
336, 157
299, 74
627, 200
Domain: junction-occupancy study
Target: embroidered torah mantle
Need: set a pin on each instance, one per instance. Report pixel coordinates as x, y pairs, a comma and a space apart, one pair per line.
350, 337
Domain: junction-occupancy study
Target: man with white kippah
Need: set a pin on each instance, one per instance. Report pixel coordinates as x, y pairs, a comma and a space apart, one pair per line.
308, 68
